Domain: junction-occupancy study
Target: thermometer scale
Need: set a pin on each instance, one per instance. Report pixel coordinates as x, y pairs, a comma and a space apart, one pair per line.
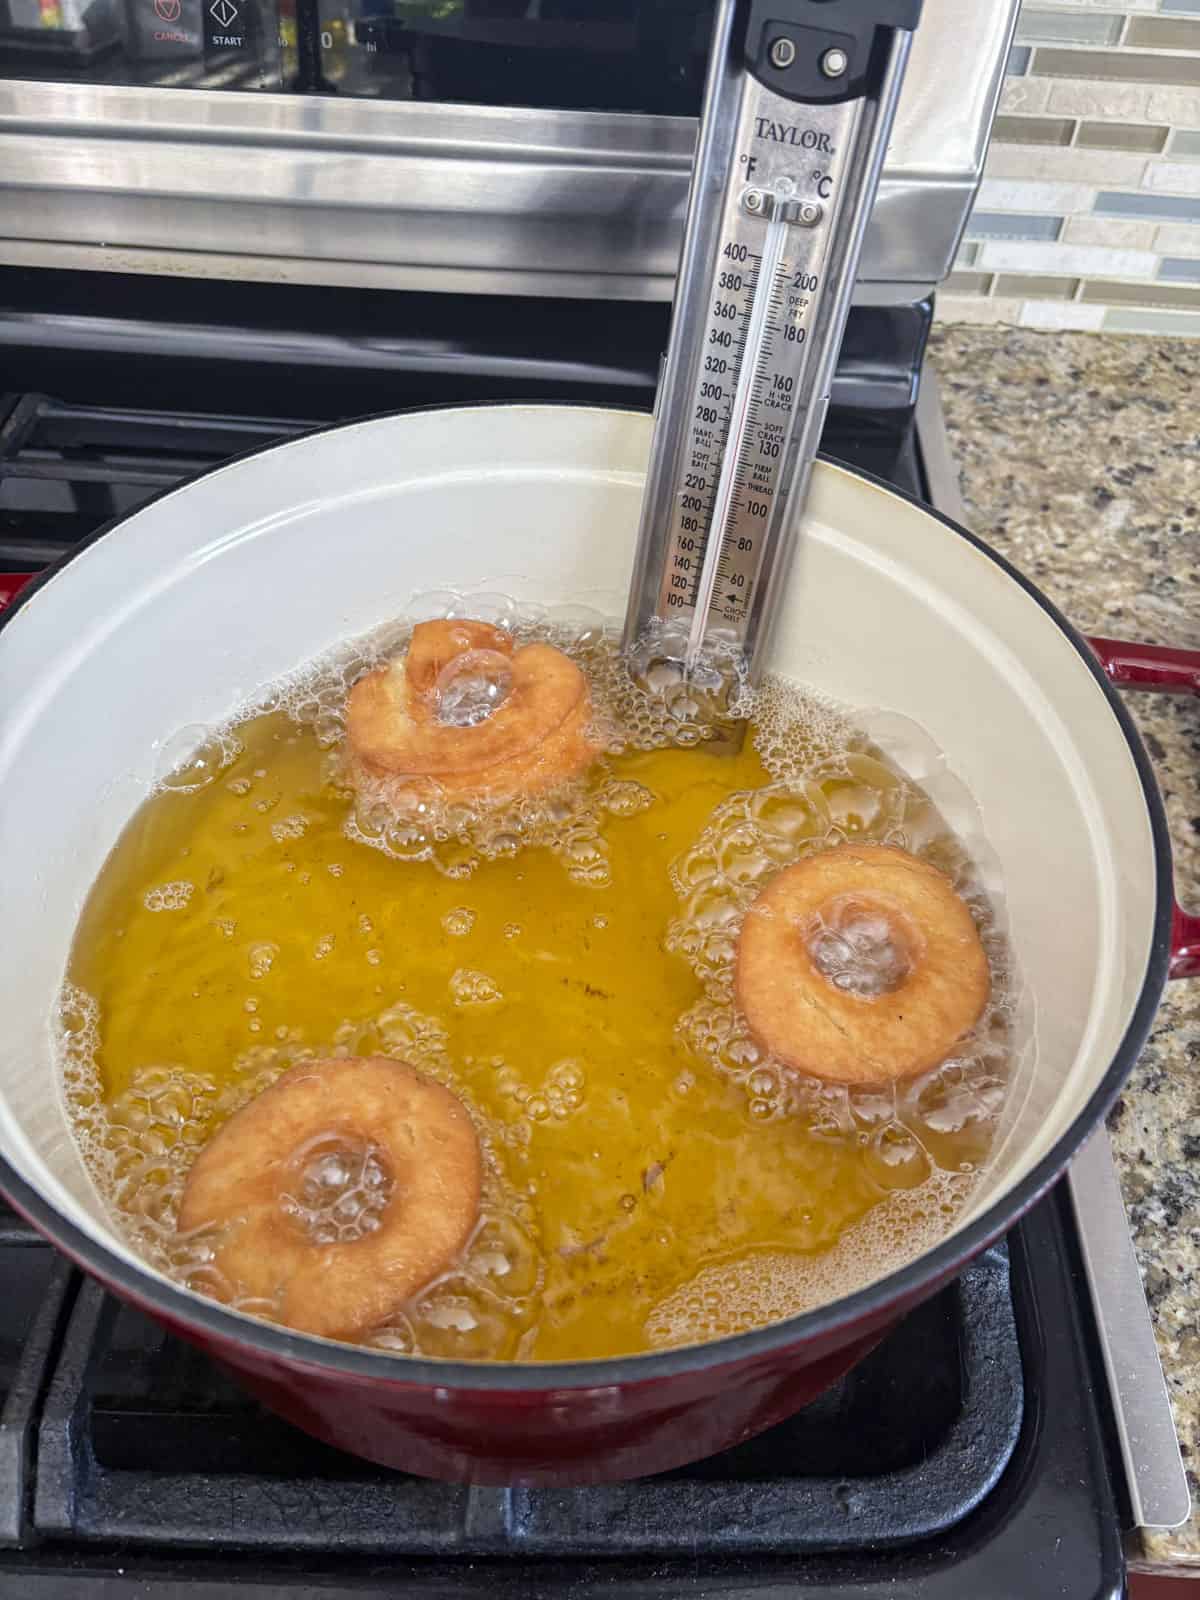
799, 102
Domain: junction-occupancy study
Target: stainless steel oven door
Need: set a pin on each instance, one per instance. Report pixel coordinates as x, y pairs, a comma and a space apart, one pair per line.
339, 188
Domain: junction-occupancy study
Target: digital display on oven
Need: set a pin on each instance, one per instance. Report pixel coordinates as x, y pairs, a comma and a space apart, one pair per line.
586, 55
203, 44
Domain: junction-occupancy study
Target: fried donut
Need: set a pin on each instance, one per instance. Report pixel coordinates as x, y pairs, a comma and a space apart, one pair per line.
532, 738
251, 1178
860, 964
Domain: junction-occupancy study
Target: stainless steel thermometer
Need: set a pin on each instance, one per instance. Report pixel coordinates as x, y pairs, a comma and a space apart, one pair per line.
799, 102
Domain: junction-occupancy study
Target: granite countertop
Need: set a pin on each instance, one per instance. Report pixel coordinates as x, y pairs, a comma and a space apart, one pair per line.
1080, 462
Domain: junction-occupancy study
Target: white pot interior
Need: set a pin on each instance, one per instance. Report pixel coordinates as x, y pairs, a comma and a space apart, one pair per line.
162, 626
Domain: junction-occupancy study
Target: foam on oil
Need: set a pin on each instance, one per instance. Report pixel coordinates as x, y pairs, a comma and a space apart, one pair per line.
565, 966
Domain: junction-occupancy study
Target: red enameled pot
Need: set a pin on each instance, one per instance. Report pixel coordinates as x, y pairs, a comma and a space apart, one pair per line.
172, 617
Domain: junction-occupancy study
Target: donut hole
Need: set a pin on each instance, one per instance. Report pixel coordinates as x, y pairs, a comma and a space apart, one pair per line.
470, 687
338, 1187
861, 946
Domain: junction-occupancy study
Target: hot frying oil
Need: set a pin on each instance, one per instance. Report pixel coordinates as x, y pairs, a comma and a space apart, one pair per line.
652, 1177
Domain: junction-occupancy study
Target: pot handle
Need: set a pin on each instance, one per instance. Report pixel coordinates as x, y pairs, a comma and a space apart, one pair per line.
11, 584
1167, 671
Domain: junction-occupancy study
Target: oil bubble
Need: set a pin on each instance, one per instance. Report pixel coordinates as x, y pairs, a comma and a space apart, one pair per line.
193, 757
625, 798
858, 948
582, 624
471, 687
286, 828
498, 609
261, 957
435, 605
896, 1158
469, 988
172, 896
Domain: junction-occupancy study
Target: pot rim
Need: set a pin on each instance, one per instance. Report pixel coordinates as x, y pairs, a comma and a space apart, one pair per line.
271, 1341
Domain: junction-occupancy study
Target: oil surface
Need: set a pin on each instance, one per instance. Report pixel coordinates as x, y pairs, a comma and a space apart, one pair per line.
652, 1178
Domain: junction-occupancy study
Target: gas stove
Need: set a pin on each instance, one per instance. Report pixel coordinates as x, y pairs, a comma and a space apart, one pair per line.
979, 1451
965, 1456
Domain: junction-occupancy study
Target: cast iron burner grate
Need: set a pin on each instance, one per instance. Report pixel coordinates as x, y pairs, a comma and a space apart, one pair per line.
119, 1441
121, 386
66, 468
907, 1444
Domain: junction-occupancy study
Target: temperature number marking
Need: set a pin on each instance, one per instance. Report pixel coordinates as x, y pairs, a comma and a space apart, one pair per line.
729, 314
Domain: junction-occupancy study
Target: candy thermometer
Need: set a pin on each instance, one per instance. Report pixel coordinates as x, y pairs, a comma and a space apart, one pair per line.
799, 102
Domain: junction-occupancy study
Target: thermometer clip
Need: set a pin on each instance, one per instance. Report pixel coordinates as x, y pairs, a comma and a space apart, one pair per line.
800, 98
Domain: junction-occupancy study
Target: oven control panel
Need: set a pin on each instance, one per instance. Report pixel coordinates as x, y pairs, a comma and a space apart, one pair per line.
201, 44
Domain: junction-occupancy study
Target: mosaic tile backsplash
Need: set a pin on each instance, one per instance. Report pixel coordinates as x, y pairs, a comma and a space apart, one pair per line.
1088, 216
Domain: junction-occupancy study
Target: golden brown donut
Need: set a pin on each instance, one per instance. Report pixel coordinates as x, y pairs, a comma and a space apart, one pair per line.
887, 1019
535, 739
249, 1174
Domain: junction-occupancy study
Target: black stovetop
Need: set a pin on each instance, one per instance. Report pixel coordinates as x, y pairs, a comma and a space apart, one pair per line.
963, 1460
966, 1458
113, 389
